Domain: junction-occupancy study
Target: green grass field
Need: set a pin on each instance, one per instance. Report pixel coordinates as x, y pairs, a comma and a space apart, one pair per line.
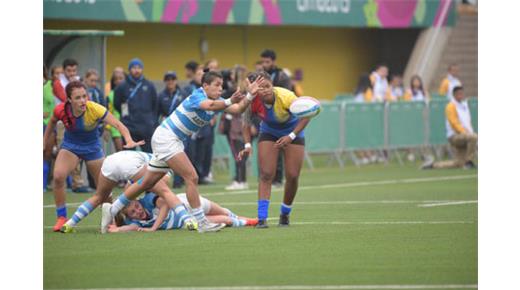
375, 225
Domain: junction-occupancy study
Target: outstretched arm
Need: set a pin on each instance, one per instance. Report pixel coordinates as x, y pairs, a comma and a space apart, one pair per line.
122, 229
111, 120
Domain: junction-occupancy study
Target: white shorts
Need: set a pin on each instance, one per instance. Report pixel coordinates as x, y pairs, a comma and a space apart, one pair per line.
165, 145
123, 165
205, 203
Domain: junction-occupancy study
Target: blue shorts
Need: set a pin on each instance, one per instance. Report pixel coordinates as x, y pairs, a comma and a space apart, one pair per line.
86, 152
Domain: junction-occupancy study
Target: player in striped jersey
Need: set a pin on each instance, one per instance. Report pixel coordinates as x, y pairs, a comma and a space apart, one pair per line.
168, 149
150, 213
122, 166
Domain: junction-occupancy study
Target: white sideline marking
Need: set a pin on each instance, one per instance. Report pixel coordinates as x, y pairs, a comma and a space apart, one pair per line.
311, 287
347, 223
448, 203
349, 184
356, 184
338, 202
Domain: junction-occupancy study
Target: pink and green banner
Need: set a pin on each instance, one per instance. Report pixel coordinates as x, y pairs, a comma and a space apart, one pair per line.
331, 13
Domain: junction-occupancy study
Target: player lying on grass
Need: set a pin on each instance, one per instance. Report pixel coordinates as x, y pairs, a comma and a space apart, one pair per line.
125, 166
193, 113
151, 213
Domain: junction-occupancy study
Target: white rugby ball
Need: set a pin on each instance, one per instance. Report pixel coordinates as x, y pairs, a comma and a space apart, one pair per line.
305, 107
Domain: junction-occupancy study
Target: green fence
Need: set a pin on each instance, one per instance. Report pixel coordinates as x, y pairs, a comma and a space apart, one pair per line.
346, 126
364, 126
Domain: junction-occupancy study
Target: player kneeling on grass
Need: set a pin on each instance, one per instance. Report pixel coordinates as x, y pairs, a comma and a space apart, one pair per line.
151, 213
124, 166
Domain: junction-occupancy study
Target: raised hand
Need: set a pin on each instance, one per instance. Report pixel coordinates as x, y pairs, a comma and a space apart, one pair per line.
253, 87
244, 153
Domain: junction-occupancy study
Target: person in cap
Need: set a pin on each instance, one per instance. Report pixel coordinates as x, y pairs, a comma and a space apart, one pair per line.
136, 100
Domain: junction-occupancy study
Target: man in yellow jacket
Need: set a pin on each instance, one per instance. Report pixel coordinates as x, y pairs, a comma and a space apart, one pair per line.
450, 82
462, 138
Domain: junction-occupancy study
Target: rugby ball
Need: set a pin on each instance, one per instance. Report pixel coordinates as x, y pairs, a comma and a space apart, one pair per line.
305, 107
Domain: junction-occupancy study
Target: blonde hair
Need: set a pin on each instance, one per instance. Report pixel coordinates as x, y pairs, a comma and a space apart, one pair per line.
91, 72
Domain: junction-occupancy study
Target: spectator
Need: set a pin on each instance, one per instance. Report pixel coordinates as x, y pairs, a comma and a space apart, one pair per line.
212, 65
94, 93
259, 66
379, 82
56, 71
109, 86
191, 68
70, 73
231, 126
48, 109
395, 91
462, 138
279, 79
136, 100
364, 90
416, 92
450, 82
118, 76
171, 96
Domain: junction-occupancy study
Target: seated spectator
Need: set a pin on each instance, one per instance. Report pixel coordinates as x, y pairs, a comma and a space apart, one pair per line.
94, 93
363, 92
109, 86
118, 76
450, 82
416, 92
56, 71
379, 82
395, 91
462, 138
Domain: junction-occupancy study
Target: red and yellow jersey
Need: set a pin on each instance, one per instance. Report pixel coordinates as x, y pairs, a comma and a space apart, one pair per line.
276, 119
82, 129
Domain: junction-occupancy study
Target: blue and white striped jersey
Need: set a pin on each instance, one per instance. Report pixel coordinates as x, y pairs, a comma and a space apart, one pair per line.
172, 220
188, 118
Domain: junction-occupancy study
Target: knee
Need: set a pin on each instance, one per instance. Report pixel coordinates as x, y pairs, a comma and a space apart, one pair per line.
59, 177
192, 178
291, 177
266, 176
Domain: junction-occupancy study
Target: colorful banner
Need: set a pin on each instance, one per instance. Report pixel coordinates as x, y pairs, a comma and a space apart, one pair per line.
329, 13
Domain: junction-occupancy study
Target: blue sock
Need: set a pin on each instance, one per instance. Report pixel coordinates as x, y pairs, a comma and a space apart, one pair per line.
82, 211
285, 209
119, 204
61, 211
263, 208
182, 214
46, 169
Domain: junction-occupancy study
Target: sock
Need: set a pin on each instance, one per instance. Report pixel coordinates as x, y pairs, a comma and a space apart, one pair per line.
285, 209
183, 215
82, 211
230, 213
198, 213
61, 211
237, 222
263, 207
118, 205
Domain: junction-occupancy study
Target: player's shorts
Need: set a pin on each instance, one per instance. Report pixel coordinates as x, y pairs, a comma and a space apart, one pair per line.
205, 203
268, 137
86, 152
165, 145
123, 165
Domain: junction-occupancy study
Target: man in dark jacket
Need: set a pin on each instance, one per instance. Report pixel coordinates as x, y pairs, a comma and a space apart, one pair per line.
280, 79
171, 96
136, 100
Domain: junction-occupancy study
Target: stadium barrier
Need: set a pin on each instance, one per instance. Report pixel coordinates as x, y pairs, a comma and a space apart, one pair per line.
345, 126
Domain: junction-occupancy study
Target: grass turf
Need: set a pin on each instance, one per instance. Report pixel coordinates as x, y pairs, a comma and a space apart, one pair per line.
332, 241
